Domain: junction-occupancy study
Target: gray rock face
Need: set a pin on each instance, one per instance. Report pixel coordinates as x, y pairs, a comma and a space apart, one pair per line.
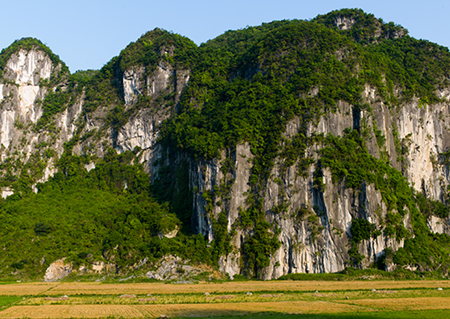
169, 234
58, 270
324, 247
304, 247
142, 128
344, 23
422, 131
173, 268
140, 131
18, 95
21, 108
132, 85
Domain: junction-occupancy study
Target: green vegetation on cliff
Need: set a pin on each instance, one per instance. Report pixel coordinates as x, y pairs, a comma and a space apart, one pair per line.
250, 83
349, 161
106, 214
155, 46
244, 86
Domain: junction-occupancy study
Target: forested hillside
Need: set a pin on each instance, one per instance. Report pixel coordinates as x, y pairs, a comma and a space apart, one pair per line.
294, 146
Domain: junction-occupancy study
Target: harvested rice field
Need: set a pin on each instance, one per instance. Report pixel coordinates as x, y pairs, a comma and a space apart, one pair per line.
255, 299
97, 288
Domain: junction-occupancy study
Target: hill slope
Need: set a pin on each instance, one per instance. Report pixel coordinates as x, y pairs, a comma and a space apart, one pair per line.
294, 146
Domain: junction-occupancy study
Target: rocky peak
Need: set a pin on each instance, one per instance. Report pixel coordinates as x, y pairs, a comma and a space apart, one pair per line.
310, 207
20, 48
153, 47
28, 67
362, 26
344, 23
20, 87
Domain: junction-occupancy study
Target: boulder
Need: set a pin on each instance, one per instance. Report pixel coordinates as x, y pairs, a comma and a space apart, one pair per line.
174, 268
58, 270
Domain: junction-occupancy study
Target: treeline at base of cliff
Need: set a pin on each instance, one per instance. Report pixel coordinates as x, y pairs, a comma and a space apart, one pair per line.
291, 147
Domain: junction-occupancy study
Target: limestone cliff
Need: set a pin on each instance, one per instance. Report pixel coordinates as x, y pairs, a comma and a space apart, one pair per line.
33, 85
19, 91
46, 112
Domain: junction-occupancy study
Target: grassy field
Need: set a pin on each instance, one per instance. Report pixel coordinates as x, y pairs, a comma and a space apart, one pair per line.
252, 299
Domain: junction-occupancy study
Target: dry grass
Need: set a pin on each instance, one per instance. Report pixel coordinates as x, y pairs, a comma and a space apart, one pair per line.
69, 311
159, 299
139, 311
237, 297
233, 287
29, 289
246, 308
96, 300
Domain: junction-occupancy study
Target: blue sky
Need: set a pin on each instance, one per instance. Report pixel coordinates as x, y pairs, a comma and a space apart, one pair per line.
87, 34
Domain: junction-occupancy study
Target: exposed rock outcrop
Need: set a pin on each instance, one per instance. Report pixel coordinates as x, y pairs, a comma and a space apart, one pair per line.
58, 270
175, 268
22, 74
314, 224
323, 246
